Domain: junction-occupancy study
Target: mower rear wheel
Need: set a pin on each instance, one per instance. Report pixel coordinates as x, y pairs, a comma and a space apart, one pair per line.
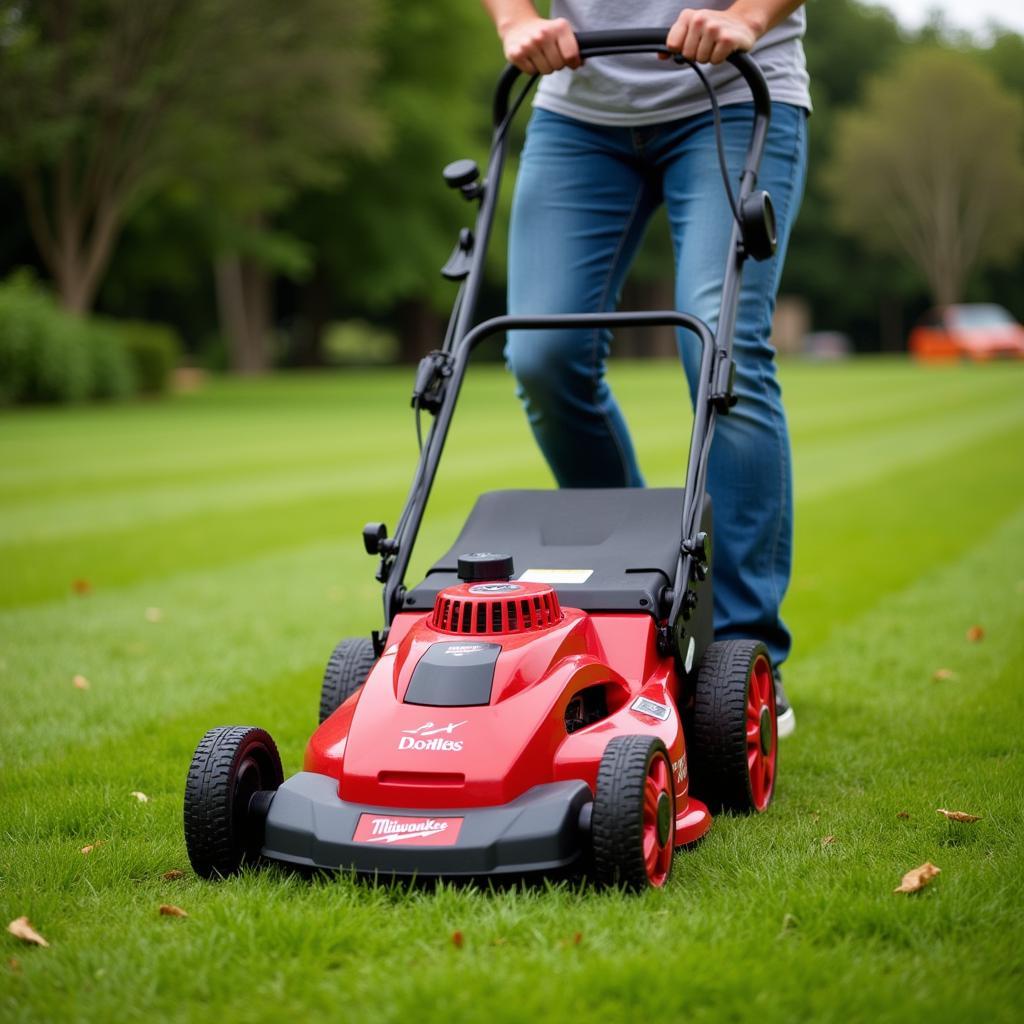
346, 671
633, 822
733, 744
231, 764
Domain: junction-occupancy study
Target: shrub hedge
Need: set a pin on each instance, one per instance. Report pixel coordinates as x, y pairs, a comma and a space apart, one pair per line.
48, 355
154, 350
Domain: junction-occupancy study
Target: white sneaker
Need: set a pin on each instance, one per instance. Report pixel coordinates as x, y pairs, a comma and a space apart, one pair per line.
785, 723
785, 717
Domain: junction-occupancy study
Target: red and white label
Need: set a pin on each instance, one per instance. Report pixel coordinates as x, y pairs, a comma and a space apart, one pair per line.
392, 831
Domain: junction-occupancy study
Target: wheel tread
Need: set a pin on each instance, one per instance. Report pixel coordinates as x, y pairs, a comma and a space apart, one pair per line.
617, 818
718, 748
347, 668
212, 848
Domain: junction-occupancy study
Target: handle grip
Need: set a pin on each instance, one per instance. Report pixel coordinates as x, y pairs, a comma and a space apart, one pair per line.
639, 40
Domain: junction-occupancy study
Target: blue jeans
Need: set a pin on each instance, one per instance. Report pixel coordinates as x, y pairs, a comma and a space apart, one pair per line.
582, 201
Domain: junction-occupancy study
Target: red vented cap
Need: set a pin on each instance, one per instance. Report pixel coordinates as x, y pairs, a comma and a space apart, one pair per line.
476, 609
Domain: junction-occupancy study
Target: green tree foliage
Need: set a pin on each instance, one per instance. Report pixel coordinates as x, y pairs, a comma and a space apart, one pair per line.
300, 107
930, 168
846, 43
104, 102
382, 236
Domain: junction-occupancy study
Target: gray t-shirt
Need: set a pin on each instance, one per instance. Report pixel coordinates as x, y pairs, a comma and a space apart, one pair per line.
638, 89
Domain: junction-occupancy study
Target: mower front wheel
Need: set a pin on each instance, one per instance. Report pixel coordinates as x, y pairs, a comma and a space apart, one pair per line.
633, 822
223, 828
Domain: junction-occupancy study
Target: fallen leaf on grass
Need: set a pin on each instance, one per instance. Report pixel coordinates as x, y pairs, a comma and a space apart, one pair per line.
141, 797
903, 814
92, 846
170, 910
21, 929
975, 633
789, 922
457, 940
942, 675
577, 938
917, 878
154, 615
81, 587
958, 815
80, 682
173, 875
14, 964
827, 840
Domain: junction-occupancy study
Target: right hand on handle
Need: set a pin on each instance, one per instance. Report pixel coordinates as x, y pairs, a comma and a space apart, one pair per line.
538, 46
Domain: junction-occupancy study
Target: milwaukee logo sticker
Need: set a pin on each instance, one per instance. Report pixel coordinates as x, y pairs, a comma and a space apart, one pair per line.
377, 828
428, 736
650, 707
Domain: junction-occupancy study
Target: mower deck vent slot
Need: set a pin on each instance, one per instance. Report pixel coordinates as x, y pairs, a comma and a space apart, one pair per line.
386, 778
491, 614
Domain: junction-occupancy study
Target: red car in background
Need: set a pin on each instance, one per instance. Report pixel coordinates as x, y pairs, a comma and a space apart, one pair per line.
973, 331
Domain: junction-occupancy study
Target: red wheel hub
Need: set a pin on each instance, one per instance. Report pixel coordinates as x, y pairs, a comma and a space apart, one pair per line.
659, 821
762, 732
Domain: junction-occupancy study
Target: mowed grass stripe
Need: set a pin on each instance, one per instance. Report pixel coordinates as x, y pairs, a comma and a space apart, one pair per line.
856, 545
332, 420
227, 627
762, 920
881, 530
821, 467
190, 452
842, 398
222, 632
189, 526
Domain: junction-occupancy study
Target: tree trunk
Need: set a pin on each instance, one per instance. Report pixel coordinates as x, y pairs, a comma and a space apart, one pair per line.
244, 309
78, 246
314, 314
647, 342
420, 329
890, 322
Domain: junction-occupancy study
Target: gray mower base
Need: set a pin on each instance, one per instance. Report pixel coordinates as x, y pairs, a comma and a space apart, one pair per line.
310, 826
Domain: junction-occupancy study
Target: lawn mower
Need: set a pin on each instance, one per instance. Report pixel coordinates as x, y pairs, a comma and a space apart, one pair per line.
550, 697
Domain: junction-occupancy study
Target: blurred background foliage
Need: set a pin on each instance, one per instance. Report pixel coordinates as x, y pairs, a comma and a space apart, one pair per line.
261, 180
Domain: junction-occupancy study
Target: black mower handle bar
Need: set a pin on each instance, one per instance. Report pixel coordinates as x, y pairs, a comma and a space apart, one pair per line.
638, 40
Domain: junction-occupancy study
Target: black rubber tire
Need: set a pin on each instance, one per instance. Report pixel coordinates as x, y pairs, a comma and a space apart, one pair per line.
616, 821
347, 669
717, 741
230, 764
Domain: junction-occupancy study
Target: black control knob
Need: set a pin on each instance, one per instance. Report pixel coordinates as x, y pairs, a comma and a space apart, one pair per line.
460, 173
374, 535
758, 219
484, 566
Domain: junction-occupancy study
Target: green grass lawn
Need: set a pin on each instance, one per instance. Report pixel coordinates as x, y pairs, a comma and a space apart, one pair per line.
235, 513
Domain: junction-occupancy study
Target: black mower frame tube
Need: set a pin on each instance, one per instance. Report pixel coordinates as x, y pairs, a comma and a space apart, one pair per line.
462, 336
702, 423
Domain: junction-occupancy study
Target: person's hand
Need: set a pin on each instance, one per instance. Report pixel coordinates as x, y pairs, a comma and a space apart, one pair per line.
541, 45
709, 37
